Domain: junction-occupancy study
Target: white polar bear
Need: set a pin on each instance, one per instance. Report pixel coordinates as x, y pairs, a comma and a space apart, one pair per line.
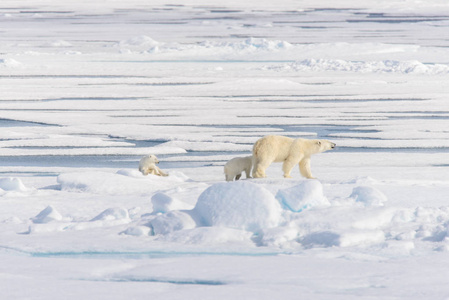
233, 168
147, 165
274, 148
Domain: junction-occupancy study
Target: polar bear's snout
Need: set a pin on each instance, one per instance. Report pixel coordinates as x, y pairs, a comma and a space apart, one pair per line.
333, 145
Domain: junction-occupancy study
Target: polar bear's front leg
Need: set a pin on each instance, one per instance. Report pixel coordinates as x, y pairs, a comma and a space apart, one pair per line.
229, 177
304, 168
289, 163
248, 173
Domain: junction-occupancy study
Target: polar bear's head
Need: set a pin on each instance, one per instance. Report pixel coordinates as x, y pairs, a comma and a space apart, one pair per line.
153, 159
322, 145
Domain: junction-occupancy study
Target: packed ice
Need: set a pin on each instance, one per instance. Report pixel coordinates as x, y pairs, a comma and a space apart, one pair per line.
88, 89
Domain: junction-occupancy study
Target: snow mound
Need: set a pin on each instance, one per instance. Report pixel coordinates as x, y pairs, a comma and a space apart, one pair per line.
112, 214
12, 184
10, 63
137, 231
142, 40
49, 214
238, 205
140, 43
306, 195
385, 66
368, 196
131, 173
172, 221
163, 203
177, 176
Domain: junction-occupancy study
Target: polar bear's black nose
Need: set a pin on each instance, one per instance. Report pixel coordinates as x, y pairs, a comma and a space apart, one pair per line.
333, 145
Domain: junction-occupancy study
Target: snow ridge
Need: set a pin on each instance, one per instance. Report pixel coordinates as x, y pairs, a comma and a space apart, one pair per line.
384, 66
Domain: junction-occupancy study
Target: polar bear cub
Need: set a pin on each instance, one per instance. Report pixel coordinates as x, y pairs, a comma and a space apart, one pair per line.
233, 168
147, 165
275, 148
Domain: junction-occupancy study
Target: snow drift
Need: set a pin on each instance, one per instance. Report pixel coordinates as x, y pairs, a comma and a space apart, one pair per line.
238, 205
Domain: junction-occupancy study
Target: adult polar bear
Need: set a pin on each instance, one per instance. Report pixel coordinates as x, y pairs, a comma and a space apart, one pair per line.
275, 148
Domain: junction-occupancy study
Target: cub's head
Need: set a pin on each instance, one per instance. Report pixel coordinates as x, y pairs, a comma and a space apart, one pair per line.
322, 145
153, 159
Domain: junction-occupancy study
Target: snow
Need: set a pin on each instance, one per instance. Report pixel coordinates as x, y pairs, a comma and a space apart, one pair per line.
369, 196
120, 183
112, 214
238, 205
9, 63
172, 221
12, 184
385, 66
305, 195
163, 203
49, 214
89, 88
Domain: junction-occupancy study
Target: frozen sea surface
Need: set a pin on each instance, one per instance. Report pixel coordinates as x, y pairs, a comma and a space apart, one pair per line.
88, 88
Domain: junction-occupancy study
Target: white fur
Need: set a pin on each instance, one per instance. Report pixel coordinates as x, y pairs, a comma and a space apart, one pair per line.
274, 148
233, 168
147, 165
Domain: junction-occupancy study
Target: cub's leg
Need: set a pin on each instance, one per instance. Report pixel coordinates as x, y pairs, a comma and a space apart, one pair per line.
248, 173
160, 172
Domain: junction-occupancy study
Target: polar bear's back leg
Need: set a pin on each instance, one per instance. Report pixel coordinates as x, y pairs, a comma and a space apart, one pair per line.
259, 168
257, 171
263, 155
287, 167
